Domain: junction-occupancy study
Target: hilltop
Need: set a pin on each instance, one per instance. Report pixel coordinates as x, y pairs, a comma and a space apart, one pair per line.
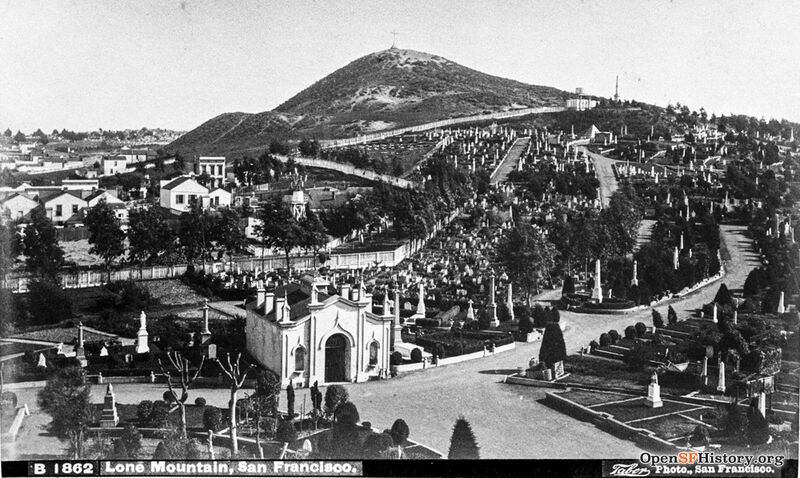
383, 90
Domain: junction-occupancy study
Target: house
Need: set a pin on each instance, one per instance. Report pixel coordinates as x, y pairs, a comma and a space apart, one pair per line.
308, 333
219, 198
178, 193
114, 165
80, 184
62, 205
214, 167
132, 155
581, 104
17, 206
110, 197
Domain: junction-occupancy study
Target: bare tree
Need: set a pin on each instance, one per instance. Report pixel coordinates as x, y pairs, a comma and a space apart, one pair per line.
237, 376
181, 365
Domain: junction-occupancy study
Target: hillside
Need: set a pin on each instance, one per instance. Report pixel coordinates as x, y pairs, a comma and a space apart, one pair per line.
382, 90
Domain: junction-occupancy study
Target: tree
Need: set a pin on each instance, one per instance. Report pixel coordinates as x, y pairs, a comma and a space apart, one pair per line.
308, 147
7, 133
377, 446
47, 302
525, 324
463, 445
105, 235
620, 223
149, 236
614, 335
196, 232
640, 329
335, 395
630, 332
237, 376
316, 236
290, 400
286, 432
143, 411
181, 366
279, 228
229, 232
128, 445
66, 398
527, 256
724, 296
19, 137
605, 340
43, 255
553, 348
672, 316
265, 398
658, 320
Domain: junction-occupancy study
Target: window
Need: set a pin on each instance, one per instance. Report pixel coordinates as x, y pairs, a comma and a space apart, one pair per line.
373, 353
58, 210
219, 170
300, 359
74, 209
179, 199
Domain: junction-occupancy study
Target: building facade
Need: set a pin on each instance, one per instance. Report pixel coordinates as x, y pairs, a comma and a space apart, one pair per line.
306, 335
214, 167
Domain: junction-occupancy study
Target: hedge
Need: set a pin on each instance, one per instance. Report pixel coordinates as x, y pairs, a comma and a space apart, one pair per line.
610, 305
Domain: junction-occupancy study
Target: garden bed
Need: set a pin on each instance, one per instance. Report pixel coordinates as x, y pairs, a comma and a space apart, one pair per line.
591, 397
669, 427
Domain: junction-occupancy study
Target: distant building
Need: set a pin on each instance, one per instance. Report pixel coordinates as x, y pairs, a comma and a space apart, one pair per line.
110, 197
62, 205
114, 165
214, 167
178, 193
219, 198
581, 104
16, 206
133, 155
307, 333
296, 201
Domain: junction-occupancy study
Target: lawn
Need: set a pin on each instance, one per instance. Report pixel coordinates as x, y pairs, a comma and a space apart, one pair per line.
637, 409
590, 397
668, 427
589, 370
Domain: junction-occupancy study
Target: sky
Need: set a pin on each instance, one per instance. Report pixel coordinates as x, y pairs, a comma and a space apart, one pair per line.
84, 65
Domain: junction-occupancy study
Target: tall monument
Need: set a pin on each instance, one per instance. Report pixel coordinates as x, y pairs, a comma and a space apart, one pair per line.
142, 336
597, 292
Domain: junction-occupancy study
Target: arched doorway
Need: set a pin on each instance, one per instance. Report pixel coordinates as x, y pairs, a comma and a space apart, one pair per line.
337, 358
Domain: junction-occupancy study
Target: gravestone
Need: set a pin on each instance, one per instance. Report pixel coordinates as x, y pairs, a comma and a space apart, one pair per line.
109, 417
653, 399
212, 351
721, 381
558, 369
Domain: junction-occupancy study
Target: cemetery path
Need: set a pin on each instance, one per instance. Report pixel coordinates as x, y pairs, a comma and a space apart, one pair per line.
509, 163
643, 235
509, 421
605, 174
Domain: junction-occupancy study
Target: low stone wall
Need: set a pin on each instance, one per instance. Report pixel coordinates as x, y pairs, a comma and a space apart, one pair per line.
457, 359
616, 427
16, 424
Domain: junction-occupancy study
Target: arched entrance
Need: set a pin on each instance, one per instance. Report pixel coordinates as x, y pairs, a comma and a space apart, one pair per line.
337, 358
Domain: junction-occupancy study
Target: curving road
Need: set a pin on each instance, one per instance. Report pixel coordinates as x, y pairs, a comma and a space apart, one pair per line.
605, 174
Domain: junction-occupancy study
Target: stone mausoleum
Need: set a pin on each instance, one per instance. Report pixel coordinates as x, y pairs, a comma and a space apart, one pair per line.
308, 331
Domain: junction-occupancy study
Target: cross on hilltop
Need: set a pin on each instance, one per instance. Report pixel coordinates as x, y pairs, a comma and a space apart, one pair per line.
394, 38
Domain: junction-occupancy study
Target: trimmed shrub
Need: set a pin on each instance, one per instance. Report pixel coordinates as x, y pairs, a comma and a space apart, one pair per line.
143, 411
605, 340
167, 396
630, 332
463, 445
555, 316
637, 357
376, 445
640, 328
540, 318
212, 418
159, 414
569, 285
347, 414
200, 401
724, 296
396, 358
614, 336
130, 441
553, 348
672, 316
399, 432
286, 432
525, 324
593, 345
9, 399
416, 356
335, 395
658, 321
